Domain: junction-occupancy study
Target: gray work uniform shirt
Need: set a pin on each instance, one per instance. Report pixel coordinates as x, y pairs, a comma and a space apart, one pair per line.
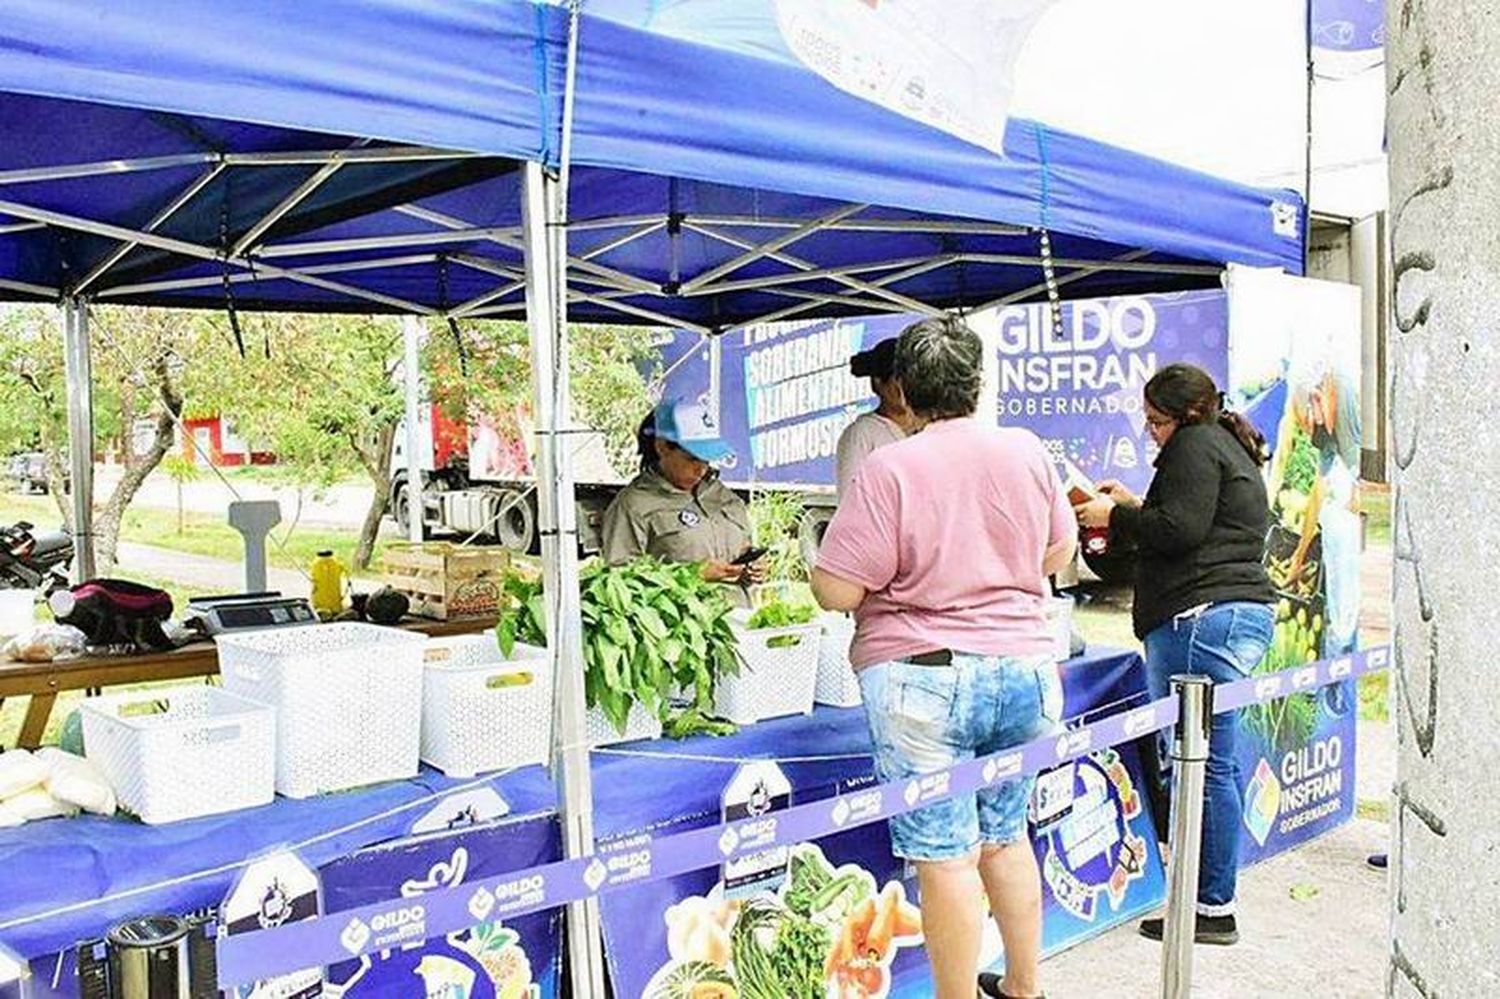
651, 516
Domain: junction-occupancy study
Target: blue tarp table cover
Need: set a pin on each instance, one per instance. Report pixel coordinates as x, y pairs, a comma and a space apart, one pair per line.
64, 880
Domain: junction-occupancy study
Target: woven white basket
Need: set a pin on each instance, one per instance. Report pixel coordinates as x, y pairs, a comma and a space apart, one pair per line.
184, 752
1060, 626
773, 681
481, 711
639, 724
348, 701
837, 685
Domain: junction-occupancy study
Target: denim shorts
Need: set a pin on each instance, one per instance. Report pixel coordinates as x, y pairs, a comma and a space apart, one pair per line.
927, 718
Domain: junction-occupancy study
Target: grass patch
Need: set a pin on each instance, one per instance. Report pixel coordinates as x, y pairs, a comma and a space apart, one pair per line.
1104, 619
203, 534
1375, 502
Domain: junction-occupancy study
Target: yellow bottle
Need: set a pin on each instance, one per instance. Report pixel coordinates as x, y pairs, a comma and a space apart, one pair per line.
327, 585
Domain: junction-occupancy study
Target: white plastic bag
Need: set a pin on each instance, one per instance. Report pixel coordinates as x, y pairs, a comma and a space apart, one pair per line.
38, 804
76, 782
46, 643
19, 771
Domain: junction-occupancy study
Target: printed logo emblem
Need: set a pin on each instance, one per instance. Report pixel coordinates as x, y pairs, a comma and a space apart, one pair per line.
728, 842
1001, 767
1268, 688
1074, 743
1262, 802
481, 904
1140, 721
595, 873
355, 935
840, 813
1304, 677
913, 793
689, 517
1284, 219
1339, 669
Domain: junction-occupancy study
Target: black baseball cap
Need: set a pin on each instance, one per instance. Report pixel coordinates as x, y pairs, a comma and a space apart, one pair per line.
877, 362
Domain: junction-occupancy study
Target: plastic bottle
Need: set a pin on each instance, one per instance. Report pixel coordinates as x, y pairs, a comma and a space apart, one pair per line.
327, 585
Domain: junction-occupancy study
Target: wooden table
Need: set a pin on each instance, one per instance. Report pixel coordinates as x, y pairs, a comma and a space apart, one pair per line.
44, 681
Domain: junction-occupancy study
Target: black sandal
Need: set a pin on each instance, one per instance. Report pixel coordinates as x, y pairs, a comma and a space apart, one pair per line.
989, 988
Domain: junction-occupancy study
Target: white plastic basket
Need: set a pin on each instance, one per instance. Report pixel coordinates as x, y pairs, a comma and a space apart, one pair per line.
837, 685
774, 680
1060, 626
184, 752
639, 724
348, 701
481, 711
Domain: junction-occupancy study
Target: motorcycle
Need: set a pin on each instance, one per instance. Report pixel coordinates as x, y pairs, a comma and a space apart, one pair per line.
34, 560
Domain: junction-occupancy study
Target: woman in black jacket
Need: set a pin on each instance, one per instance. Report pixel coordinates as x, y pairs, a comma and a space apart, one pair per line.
1202, 596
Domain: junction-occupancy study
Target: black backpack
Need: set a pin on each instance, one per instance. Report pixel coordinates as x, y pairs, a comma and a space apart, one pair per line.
116, 612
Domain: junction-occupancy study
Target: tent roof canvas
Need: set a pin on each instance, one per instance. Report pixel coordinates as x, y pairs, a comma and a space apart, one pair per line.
243, 156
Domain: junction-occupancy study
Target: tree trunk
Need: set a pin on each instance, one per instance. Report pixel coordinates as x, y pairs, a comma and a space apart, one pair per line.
377, 465
107, 523
1443, 74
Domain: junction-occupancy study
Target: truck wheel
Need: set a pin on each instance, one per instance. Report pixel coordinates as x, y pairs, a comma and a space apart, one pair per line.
516, 527
815, 520
402, 513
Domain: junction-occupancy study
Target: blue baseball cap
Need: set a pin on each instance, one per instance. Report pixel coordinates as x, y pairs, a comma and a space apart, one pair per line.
693, 428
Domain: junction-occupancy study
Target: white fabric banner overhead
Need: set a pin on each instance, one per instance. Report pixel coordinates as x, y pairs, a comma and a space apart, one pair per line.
947, 63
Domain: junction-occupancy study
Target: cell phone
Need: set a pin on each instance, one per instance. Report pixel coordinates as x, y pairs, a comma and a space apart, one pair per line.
748, 555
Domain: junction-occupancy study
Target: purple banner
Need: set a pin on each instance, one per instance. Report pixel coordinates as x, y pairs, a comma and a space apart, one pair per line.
401, 922
1081, 393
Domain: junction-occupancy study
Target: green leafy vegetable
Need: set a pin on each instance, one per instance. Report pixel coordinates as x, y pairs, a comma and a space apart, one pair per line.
775, 524
650, 630
777, 953
814, 891
781, 614
1301, 463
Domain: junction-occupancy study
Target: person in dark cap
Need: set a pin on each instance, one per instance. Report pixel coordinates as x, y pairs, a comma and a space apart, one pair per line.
889, 422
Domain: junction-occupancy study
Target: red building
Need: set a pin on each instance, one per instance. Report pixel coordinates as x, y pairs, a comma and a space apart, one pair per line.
214, 437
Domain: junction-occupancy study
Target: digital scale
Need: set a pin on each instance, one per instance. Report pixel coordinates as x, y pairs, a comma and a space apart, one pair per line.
249, 611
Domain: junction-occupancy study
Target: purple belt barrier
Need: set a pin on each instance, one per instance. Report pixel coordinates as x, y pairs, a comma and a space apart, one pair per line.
400, 922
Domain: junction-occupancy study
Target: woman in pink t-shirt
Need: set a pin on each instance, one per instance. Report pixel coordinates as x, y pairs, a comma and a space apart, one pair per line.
941, 548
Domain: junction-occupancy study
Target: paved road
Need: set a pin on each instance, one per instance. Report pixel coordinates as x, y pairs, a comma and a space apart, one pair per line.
1331, 944
203, 575
342, 506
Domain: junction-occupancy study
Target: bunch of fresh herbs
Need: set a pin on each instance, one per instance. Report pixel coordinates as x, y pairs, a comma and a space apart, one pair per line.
651, 631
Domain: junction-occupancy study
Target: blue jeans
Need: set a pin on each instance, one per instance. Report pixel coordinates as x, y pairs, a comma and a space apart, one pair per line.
1224, 642
927, 718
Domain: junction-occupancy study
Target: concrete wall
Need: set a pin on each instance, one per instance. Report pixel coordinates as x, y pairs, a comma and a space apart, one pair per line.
1443, 75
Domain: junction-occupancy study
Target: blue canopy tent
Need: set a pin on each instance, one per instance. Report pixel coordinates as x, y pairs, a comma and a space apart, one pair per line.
384, 156
297, 152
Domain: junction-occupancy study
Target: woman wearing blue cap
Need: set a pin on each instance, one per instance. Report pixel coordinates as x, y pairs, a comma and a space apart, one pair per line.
676, 508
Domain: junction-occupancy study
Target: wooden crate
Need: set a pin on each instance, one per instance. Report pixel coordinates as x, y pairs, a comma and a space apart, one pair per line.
447, 581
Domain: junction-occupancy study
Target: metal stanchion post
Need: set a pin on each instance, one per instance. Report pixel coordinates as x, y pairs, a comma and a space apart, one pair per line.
1195, 711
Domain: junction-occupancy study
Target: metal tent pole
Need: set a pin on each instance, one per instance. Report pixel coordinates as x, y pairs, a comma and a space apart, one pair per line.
411, 335
547, 323
1195, 713
79, 374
